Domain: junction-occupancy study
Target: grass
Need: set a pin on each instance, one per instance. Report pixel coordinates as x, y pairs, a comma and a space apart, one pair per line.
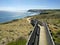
57, 41
15, 29
20, 41
52, 17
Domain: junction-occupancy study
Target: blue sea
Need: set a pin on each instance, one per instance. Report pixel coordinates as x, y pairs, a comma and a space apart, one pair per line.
6, 16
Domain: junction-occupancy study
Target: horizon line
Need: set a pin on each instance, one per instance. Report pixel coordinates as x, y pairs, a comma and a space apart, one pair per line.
28, 9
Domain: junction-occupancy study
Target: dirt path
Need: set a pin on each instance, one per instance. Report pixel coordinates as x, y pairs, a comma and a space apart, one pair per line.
29, 19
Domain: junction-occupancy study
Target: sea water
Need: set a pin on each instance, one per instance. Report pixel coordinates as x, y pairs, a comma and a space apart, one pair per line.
6, 16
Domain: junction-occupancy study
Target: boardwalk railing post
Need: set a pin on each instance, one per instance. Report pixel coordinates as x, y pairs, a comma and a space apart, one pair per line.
49, 34
33, 38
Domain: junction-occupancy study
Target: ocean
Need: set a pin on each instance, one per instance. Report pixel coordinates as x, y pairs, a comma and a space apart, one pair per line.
6, 16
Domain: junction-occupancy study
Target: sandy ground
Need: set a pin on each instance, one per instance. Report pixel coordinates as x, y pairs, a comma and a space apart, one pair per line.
29, 19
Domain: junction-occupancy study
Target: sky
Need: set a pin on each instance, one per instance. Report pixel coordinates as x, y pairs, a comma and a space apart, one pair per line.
13, 5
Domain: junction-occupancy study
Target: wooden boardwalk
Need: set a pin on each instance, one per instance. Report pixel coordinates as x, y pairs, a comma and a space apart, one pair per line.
43, 37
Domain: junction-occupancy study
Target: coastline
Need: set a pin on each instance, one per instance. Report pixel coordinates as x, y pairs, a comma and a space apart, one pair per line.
7, 17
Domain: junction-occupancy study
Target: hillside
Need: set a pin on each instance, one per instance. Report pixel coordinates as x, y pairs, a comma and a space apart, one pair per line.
16, 31
52, 17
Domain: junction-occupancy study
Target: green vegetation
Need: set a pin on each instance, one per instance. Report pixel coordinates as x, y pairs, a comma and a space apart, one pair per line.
52, 17
11, 31
20, 41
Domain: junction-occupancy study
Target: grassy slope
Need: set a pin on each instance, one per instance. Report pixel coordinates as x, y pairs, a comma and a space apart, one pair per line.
10, 31
52, 17
18, 42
